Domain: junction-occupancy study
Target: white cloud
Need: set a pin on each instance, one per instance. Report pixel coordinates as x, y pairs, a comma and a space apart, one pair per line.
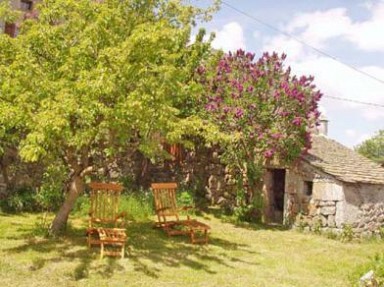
319, 27
323, 111
368, 35
337, 80
356, 137
283, 44
256, 34
351, 133
230, 37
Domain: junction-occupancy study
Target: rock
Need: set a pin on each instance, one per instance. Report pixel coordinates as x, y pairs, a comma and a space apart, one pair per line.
368, 279
221, 200
324, 220
312, 210
212, 182
366, 206
328, 210
327, 203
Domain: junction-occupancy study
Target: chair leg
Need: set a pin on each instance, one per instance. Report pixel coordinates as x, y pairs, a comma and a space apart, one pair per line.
101, 250
122, 250
192, 236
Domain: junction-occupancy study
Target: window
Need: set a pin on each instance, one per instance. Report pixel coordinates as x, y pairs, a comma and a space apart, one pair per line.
26, 5
308, 188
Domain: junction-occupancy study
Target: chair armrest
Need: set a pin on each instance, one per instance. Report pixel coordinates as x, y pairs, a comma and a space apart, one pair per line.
184, 208
122, 214
161, 209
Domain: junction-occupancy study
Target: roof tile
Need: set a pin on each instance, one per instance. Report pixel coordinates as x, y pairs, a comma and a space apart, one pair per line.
342, 162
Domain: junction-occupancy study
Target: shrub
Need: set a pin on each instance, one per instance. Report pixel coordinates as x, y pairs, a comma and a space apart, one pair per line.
139, 206
376, 264
347, 233
248, 212
82, 205
19, 200
50, 195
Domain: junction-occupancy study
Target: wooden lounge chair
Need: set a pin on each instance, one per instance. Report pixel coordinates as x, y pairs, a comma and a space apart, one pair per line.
168, 216
106, 223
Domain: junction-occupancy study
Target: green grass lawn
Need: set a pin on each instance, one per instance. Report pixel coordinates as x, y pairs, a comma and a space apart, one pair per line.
235, 256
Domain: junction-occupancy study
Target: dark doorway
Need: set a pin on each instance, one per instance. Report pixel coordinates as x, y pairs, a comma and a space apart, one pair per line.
278, 188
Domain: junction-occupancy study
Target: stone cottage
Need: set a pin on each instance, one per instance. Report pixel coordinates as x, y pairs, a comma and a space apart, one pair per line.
332, 186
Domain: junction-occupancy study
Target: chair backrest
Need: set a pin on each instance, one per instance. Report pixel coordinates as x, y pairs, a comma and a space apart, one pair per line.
104, 202
164, 195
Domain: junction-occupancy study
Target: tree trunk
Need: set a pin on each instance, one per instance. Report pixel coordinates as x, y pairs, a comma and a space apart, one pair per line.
75, 188
4, 172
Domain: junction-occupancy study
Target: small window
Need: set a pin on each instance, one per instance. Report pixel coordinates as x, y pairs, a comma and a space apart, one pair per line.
26, 5
308, 188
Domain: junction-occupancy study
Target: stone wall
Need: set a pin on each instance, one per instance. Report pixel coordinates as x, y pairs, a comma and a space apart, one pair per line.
366, 203
199, 170
370, 219
335, 204
311, 210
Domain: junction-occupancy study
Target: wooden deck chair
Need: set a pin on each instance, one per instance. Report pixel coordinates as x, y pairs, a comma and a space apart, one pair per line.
104, 216
167, 212
166, 208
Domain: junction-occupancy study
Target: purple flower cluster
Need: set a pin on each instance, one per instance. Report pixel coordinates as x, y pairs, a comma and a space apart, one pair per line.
261, 96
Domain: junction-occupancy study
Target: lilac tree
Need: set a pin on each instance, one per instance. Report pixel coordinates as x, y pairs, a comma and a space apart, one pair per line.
267, 112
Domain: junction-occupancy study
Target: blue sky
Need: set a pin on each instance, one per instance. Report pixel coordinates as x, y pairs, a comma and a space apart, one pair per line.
351, 31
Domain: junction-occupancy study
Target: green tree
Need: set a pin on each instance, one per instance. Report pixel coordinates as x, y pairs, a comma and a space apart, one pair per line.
373, 148
86, 78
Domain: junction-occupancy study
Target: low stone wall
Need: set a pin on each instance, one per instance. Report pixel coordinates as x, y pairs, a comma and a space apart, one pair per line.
321, 216
370, 219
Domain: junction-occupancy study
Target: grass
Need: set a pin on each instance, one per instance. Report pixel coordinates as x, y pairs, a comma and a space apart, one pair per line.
244, 255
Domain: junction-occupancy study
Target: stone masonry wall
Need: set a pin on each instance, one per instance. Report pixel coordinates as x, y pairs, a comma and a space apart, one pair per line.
370, 219
316, 209
366, 202
334, 205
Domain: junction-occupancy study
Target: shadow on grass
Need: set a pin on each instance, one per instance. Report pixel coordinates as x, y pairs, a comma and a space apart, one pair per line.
220, 214
148, 251
151, 244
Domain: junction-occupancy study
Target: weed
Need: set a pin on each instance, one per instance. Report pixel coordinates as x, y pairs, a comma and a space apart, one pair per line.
381, 232
331, 235
347, 233
376, 264
42, 225
316, 228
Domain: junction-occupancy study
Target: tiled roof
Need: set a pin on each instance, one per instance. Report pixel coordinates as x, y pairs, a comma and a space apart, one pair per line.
343, 163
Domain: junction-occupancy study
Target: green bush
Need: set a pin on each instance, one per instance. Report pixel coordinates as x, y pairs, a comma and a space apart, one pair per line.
185, 198
82, 205
50, 195
138, 207
19, 200
248, 212
347, 233
376, 264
